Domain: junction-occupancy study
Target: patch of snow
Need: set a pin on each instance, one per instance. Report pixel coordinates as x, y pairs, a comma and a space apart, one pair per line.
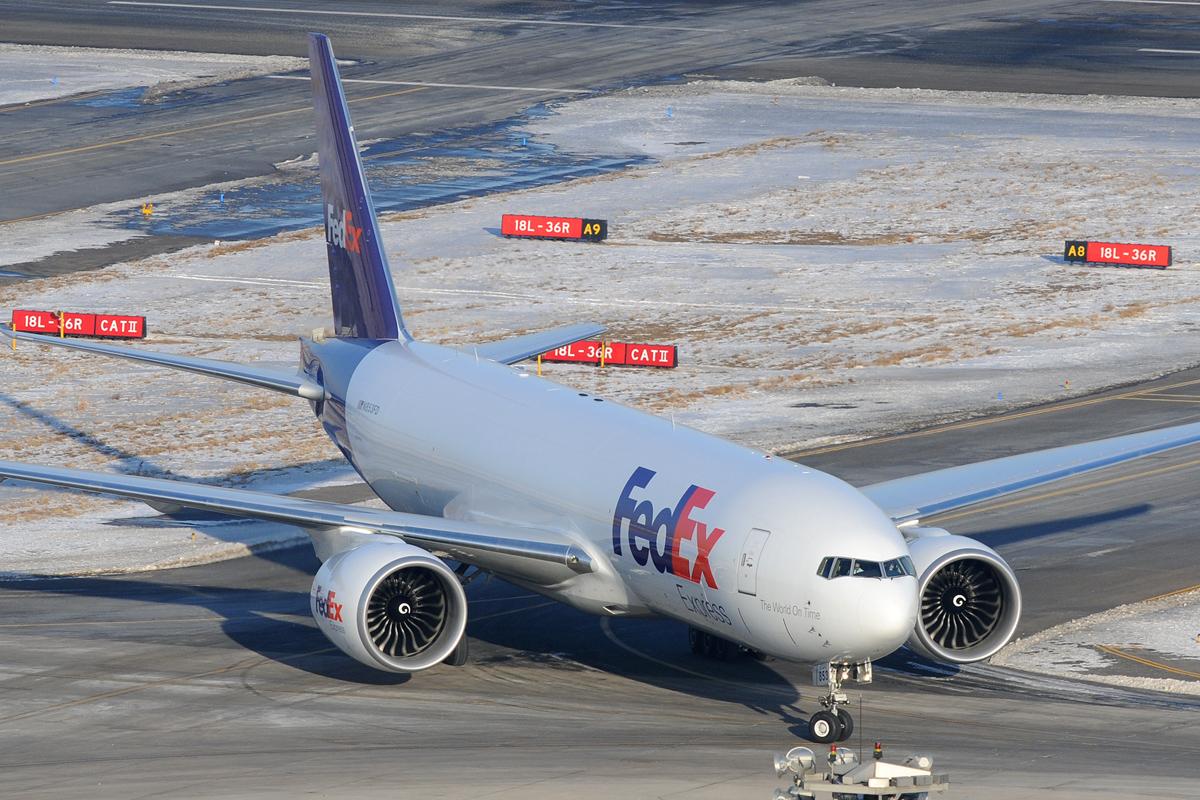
913, 276
1168, 626
39, 72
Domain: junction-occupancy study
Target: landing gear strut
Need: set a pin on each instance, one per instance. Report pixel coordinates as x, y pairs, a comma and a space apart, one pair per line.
833, 723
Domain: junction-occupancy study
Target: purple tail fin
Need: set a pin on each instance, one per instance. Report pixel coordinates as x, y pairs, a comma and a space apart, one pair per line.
364, 301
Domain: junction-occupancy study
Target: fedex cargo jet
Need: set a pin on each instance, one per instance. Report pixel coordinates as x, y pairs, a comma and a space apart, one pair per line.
607, 509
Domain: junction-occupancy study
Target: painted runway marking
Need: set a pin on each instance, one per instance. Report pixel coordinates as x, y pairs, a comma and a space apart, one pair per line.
1112, 651
190, 129
514, 611
1169, 52
1068, 490
427, 84
77, 623
1098, 553
1173, 593
434, 17
1154, 2
1165, 398
975, 423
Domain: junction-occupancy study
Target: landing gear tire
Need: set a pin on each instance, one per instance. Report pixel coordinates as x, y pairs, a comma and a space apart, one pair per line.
705, 644
458, 656
847, 723
696, 641
825, 727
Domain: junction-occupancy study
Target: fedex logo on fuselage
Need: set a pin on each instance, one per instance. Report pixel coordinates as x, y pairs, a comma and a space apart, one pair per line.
327, 605
340, 230
656, 537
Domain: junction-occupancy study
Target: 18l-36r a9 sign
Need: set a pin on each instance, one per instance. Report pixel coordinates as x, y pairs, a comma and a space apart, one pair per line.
530, 226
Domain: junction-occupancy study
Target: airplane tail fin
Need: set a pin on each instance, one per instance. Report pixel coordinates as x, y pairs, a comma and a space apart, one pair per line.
364, 300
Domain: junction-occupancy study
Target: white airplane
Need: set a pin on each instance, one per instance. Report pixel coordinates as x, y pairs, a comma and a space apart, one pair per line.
607, 509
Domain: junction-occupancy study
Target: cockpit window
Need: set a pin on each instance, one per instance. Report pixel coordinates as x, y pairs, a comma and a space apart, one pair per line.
840, 567
866, 569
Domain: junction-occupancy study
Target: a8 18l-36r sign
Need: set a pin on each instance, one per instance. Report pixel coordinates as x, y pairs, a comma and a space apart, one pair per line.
1128, 255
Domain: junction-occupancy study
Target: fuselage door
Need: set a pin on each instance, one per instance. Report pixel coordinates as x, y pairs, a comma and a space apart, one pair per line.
748, 563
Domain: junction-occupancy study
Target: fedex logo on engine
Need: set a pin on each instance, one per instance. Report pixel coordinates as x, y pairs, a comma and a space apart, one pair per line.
340, 230
657, 537
326, 605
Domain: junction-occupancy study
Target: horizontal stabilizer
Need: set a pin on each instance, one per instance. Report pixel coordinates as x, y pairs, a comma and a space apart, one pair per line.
277, 380
519, 348
918, 496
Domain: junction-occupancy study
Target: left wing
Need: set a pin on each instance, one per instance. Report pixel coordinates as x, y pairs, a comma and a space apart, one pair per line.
911, 498
543, 556
519, 348
277, 380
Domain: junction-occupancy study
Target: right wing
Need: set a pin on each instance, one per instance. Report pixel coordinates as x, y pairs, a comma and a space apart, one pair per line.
519, 348
543, 556
278, 380
914, 497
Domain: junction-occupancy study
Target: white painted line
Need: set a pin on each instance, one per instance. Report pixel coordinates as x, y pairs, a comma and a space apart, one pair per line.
443, 85
1170, 52
394, 15
1155, 2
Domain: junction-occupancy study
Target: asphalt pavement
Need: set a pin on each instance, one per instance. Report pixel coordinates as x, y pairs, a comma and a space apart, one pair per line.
213, 681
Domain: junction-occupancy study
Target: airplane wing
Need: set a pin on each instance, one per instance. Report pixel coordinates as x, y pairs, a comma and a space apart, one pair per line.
279, 380
911, 498
549, 556
519, 348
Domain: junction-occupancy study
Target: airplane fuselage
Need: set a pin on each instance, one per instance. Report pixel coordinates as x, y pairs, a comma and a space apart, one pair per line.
677, 522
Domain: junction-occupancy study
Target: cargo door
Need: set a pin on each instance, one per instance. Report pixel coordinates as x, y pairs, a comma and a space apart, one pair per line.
756, 540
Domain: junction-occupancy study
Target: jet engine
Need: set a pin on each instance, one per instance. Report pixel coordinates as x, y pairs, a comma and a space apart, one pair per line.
970, 602
390, 605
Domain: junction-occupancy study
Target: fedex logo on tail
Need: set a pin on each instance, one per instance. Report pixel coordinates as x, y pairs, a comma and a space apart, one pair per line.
647, 529
340, 230
327, 605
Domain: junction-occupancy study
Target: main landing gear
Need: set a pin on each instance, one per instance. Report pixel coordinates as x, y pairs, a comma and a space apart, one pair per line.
833, 723
705, 644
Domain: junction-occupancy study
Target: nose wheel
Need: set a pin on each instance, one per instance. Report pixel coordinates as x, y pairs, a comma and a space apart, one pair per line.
833, 723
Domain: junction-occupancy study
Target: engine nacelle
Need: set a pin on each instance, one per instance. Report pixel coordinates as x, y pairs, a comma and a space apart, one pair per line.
970, 602
390, 605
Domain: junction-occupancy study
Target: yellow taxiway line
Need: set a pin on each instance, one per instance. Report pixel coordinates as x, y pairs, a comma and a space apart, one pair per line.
1112, 651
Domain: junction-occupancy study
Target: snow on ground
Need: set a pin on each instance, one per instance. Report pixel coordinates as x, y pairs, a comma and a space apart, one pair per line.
38, 72
1168, 627
832, 263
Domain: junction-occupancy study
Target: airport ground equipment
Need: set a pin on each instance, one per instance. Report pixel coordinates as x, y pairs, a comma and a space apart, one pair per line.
842, 775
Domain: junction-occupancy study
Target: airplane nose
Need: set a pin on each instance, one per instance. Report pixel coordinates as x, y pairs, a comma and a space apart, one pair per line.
888, 614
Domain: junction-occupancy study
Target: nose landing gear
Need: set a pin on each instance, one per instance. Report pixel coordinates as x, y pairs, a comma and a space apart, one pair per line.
833, 723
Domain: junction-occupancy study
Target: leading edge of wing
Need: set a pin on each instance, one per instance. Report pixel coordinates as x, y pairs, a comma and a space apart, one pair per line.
263, 377
923, 495
460, 538
519, 348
